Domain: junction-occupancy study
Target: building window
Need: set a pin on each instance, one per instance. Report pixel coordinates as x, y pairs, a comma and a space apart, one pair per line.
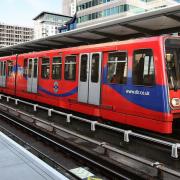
45, 68
117, 68
143, 67
56, 68
10, 68
70, 68
107, 12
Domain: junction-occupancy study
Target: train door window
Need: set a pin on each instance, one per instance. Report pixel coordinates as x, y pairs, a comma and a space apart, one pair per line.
25, 68
35, 72
143, 67
117, 68
57, 68
10, 68
30, 68
4, 69
84, 66
70, 68
1, 71
45, 68
0, 68
95, 68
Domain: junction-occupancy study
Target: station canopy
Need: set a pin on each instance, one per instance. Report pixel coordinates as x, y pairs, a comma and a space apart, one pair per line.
152, 23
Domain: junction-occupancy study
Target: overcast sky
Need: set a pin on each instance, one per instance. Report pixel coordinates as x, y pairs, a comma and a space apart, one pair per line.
21, 12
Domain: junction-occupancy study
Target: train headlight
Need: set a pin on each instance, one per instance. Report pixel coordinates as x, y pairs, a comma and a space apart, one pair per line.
175, 102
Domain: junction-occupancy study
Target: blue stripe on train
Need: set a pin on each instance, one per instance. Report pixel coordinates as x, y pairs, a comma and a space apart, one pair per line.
71, 92
154, 98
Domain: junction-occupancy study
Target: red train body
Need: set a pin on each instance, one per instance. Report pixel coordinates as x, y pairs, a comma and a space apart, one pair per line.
134, 82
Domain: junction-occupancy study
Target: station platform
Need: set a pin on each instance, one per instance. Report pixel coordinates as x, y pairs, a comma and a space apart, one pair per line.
18, 163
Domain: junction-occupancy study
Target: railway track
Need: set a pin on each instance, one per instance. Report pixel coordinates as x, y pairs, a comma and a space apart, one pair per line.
120, 160
52, 143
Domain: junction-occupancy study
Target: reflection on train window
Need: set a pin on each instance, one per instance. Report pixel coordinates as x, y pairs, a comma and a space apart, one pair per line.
143, 67
117, 68
95, 68
173, 67
10, 68
56, 68
83, 71
70, 68
45, 68
25, 68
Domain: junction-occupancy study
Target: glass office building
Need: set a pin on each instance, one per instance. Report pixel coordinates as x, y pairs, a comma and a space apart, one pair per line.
96, 11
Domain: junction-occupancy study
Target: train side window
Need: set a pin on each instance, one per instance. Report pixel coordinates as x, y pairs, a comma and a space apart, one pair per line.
45, 68
25, 71
117, 68
4, 69
83, 69
95, 68
143, 67
35, 68
56, 68
70, 68
1, 68
10, 68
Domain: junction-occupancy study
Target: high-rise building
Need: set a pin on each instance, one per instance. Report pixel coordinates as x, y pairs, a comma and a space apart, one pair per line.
47, 24
12, 34
96, 11
69, 7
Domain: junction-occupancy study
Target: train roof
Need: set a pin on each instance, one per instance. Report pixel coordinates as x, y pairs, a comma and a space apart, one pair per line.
107, 44
94, 46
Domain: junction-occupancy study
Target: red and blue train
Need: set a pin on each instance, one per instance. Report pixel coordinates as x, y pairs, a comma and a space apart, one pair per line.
134, 82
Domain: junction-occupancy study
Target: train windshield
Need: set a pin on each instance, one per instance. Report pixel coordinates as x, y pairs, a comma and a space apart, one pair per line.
173, 62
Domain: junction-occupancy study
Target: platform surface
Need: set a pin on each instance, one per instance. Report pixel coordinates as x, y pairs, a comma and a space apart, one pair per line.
19, 164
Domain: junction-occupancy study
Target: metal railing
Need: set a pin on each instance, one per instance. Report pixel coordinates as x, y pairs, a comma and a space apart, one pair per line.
93, 124
157, 165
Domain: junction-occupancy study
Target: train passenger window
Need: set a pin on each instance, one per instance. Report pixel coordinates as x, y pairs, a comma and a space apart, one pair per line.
84, 64
10, 68
56, 68
143, 67
1, 68
25, 68
35, 72
70, 68
45, 68
95, 68
30, 68
4, 69
117, 68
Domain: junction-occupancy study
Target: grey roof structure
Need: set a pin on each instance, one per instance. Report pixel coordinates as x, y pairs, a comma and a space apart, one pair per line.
51, 13
152, 23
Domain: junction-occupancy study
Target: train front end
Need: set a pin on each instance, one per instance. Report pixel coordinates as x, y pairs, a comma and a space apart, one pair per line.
172, 61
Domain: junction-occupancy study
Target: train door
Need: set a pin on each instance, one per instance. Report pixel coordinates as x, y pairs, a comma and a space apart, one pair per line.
3, 74
32, 78
89, 87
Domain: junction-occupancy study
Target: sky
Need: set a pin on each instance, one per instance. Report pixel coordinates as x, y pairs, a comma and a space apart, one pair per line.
21, 12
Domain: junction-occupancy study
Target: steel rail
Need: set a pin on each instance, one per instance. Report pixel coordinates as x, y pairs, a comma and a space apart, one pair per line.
156, 165
127, 133
30, 148
65, 148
